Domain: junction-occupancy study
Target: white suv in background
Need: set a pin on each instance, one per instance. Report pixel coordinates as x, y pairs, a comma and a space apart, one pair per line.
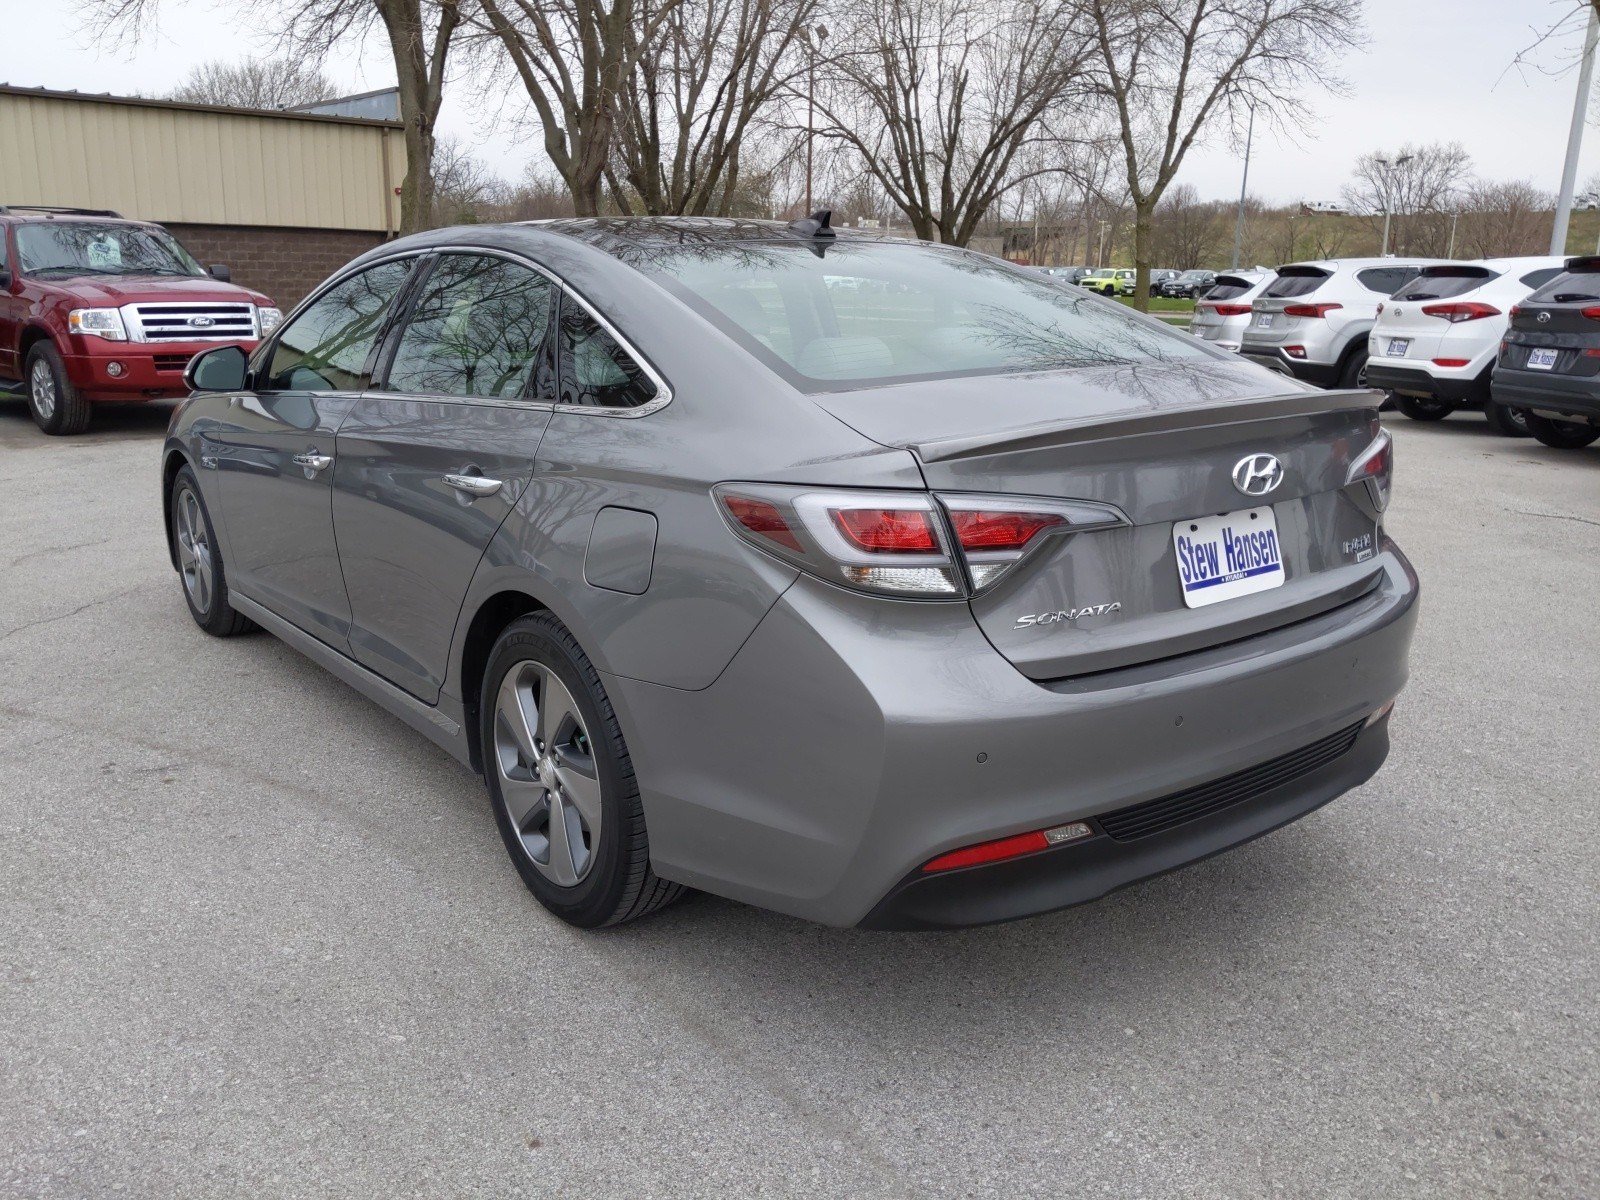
1435, 341
1222, 313
1312, 321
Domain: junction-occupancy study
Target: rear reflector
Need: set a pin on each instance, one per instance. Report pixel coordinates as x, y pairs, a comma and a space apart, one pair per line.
1295, 351
1451, 362
1009, 847
1309, 310
888, 530
1380, 713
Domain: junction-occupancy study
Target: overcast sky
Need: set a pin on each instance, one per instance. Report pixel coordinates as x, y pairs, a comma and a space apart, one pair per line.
1435, 70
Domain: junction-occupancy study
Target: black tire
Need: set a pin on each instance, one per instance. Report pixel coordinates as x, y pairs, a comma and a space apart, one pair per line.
619, 885
1561, 435
208, 604
1354, 372
1419, 409
61, 411
1505, 420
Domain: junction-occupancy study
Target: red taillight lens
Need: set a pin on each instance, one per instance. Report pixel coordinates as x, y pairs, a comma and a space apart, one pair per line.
984, 530
1309, 310
1468, 310
888, 530
1375, 464
1516, 311
1231, 310
1451, 362
1592, 312
763, 518
1009, 847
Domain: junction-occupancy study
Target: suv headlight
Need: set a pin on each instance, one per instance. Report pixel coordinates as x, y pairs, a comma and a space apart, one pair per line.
101, 322
268, 319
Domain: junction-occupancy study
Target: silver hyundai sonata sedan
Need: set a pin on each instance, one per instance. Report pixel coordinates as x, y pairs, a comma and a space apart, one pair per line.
875, 582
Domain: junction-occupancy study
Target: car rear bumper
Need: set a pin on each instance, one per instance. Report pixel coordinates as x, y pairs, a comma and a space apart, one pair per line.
1557, 395
833, 758
1321, 374
1414, 381
149, 370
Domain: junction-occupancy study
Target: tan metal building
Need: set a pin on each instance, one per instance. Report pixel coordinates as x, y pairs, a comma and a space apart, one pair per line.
282, 197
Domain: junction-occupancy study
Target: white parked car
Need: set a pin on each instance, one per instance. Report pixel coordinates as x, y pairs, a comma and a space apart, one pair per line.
1222, 313
1312, 321
1435, 341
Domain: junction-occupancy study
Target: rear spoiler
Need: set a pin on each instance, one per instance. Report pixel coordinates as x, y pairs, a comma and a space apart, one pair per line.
1584, 262
1193, 416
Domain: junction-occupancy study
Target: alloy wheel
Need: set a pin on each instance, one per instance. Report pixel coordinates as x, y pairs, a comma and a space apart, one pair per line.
43, 385
194, 551
549, 781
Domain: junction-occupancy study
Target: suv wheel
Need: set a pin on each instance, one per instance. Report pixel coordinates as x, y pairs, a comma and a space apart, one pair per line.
56, 405
1419, 409
1505, 420
1354, 374
205, 583
561, 781
1561, 435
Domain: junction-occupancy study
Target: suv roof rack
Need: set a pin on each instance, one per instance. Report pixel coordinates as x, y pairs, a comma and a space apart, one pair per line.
8, 209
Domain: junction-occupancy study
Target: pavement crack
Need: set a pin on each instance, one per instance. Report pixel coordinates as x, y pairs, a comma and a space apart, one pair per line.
1556, 516
22, 558
64, 616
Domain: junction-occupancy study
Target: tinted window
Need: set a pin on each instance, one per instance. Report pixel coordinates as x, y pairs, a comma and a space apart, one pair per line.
869, 311
476, 329
1296, 281
69, 248
595, 370
1540, 277
1385, 280
325, 348
1227, 287
1443, 285
1576, 287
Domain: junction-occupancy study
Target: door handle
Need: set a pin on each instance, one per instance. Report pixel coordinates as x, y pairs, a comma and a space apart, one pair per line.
312, 461
473, 485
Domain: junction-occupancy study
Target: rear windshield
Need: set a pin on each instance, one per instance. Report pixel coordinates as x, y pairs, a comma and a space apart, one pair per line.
1444, 284
1296, 281
1572, 287
1227, 287
1541, 277
858, 313
74, 248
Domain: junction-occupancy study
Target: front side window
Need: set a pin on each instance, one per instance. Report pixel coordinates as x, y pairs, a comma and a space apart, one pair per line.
326, 348
477, 329
67, 249
866, 312
596, 372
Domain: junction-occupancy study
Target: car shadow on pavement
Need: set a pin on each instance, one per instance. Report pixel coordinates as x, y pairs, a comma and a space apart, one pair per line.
108, 420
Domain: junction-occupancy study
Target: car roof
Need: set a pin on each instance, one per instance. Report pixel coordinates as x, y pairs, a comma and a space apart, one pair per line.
27, 217
614, 234
1360, 264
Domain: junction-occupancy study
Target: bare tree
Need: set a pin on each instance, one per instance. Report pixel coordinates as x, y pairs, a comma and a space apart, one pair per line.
1173, 69
420, 35
940, 99
256, 83
690, 112
465, 190
575, 58
1418, 187
1189, 230
1499, 220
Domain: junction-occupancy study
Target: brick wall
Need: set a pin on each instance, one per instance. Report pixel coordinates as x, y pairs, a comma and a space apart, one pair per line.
284, 263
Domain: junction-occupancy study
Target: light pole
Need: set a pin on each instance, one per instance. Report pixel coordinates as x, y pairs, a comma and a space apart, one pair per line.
814, 39
1580, 109
1238, 225
1454, 217
1388, 201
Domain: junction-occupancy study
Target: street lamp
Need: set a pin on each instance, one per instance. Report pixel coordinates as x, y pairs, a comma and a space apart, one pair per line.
1388, 183
814, 39
1238, 224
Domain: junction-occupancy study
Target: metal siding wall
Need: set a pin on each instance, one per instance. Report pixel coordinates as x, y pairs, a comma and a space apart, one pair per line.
166, 164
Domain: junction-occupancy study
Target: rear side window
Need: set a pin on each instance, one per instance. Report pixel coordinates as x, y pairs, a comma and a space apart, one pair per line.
1540, 277
1442, 286
596, 372
1386, 280
1570, 287
1296, 281
477, 329
1227, 287
327, 347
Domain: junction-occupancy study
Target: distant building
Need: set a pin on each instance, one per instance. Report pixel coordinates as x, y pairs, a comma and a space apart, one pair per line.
1323, 206
381, 105
282, 197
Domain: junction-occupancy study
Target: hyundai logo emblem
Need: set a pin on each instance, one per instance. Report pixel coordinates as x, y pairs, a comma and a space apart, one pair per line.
1543, 318
1257, 474
201, 322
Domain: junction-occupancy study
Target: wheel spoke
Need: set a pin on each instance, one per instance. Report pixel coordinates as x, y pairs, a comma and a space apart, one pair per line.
525, 800
563, 864
581, 783
558, 715
511, 708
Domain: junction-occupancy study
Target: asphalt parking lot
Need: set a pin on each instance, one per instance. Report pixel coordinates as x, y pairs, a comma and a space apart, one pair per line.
258, 939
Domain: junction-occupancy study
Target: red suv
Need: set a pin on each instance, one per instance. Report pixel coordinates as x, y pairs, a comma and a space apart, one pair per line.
95, 308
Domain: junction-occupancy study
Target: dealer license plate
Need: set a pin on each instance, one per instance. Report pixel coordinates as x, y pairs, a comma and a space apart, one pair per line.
1221, 558
1398, 347
1541, 360
1264, 320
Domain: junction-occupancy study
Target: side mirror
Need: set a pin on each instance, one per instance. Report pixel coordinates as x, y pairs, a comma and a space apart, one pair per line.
221, 271
220, 369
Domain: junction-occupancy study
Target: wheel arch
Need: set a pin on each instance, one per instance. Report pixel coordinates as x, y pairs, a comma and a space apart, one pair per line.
489, 621
172, 461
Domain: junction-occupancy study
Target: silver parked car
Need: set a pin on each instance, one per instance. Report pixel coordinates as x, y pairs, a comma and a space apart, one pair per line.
871, 581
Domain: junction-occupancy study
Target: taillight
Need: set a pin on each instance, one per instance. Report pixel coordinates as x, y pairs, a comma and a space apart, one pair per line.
1375, 465
1516, 311
1467, 310
1231, 310
1309, 310
1451, 362
1592, 312
901, 543
1295, 351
